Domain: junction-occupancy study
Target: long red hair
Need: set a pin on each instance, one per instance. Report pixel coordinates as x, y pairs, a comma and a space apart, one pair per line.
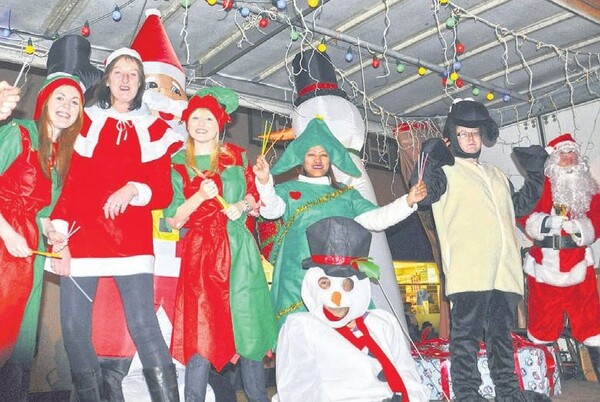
65, 142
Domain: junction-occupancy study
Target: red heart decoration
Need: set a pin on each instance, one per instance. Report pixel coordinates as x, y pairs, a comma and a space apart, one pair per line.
295, 195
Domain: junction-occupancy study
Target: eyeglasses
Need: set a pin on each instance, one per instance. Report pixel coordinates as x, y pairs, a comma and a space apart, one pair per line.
470, 134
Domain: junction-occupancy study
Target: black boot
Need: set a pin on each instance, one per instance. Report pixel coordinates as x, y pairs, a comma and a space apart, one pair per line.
88, 386
162, 383
114, 369
594, 352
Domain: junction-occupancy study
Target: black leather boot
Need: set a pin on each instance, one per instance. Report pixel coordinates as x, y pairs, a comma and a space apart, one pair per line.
88, 386
114, 369
594, 352
162, 383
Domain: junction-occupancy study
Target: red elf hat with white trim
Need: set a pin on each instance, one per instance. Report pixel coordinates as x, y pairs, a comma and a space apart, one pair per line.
154, 46
562, 142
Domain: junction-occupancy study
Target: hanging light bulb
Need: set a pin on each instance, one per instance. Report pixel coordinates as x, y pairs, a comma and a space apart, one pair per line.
29, 49
322, 47
211, 2
506, 97
116, 14
375, 62
227, 5
489, 96
453, 76
85, 29
349, 55
263, 22
460, 83
313, 3
185, 3
476, 91
281, 5
245, 12
400, 67
460, 48
457, 65
294, 35
450, 22
422, 71
5, 32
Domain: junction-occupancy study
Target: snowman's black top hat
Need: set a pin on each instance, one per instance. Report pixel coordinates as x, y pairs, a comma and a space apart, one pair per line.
314, 75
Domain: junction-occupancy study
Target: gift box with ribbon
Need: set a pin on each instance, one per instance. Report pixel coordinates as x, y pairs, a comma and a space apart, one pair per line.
535, 366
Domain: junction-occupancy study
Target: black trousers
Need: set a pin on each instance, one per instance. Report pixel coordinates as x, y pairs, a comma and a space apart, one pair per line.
488, 316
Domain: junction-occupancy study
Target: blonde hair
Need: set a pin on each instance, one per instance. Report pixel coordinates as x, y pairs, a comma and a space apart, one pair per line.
217, 152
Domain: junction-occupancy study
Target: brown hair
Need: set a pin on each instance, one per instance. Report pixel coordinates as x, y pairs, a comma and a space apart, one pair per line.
64, 142
102, 95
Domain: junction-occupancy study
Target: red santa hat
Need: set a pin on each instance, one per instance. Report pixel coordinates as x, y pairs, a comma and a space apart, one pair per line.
153, 45
564, 142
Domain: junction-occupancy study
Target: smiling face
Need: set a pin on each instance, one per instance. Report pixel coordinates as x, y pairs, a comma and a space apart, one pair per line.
124, 83
63, 107
316, 162
203, 127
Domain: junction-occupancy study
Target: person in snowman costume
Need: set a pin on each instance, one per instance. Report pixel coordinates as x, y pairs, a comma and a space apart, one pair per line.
340, 350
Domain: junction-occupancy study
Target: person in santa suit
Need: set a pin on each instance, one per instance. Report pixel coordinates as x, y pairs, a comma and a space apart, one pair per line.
164, 97
340, 350
222, 310
33, 163
560, 265
119, 173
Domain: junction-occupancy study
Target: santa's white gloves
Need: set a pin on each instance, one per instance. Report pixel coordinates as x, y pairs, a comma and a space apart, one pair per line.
554, 223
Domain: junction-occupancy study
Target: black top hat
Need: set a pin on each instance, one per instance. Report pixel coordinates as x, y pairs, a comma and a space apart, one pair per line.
335, 244
71, 54
314, 75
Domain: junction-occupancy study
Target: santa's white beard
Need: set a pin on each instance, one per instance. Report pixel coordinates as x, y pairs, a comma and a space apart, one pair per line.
572, 186
160, 103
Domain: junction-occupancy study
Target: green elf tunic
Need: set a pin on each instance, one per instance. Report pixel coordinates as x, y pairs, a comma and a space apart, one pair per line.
308, 200
12, 138
222, 304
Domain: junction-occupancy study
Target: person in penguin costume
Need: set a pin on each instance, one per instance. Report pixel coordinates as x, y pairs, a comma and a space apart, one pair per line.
474, 207
340, 350
318, 93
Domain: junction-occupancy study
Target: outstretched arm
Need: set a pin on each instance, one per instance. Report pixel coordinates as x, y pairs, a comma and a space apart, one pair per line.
532, 160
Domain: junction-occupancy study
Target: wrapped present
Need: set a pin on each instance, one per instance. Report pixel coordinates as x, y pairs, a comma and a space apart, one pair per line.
535, 366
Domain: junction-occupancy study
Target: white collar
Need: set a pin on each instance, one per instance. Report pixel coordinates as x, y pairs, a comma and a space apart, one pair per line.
314, 180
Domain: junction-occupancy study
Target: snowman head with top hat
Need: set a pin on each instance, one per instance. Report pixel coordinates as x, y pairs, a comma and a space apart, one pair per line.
336, 287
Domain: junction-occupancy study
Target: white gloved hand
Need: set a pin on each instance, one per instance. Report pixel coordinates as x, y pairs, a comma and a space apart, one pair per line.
554, 223
572, 227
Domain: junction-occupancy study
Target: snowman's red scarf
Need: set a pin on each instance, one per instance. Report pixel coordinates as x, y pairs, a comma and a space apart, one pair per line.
391, 374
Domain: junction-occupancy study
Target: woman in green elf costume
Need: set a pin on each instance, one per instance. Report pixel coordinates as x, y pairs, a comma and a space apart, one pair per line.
315, 195
222, 307
34, 160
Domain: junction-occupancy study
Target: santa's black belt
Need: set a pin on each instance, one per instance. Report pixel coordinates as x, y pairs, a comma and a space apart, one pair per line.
556, 242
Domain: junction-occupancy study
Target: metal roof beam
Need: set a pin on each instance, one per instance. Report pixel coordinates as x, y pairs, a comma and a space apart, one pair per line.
229, 50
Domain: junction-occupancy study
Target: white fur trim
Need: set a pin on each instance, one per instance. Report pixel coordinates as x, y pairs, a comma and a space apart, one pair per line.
61, 226
537, 341
150, 150
120, 52
549, 271
592, 341
533, 226
157, 67
588, 234
153, 11
118, 266
144, 194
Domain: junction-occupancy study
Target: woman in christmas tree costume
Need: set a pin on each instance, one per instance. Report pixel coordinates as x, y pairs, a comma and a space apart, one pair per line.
313, 196
222, 306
